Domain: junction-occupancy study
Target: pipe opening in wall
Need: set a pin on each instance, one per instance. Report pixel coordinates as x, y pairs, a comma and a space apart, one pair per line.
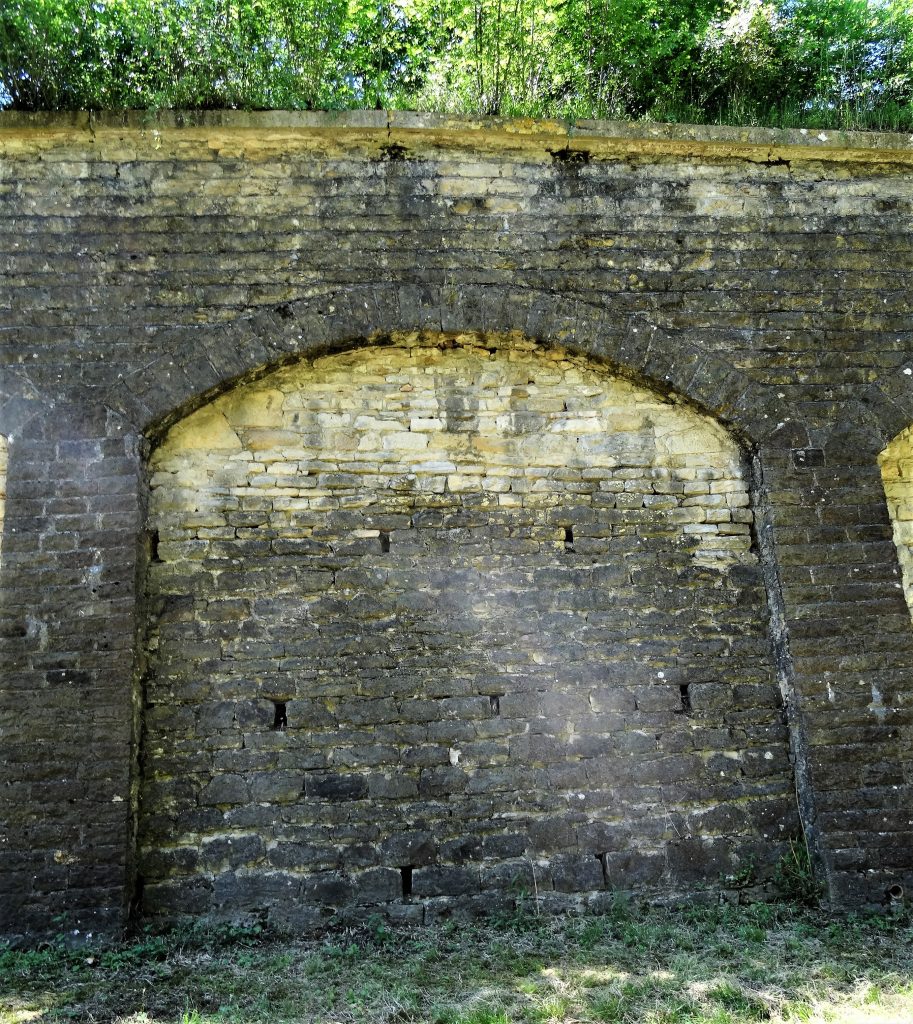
894, 893
405, 875
280, 718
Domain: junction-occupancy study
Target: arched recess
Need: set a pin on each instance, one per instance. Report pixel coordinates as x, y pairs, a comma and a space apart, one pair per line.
896, 462
446, 617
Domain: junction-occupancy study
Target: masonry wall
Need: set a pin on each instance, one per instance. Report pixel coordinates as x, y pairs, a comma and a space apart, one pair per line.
759, 280
436, 618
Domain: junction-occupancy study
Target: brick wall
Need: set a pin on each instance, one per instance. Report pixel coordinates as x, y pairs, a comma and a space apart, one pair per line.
150, 265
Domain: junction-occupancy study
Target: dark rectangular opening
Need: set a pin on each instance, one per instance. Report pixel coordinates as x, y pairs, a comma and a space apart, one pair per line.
152, 539
280, 718
405, 875
601, 857
685, 698
569, 538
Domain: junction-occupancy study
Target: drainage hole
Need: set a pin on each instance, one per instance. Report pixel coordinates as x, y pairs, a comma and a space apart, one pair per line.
280, 718
405, 875
152, 539
569, 538
601, 857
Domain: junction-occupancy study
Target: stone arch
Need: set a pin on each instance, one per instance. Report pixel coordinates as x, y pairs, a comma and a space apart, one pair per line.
896, 462
887, 405
198, 363
411, 638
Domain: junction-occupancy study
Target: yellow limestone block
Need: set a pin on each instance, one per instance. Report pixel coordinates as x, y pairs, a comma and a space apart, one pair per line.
259, 408
896, 461
205, 430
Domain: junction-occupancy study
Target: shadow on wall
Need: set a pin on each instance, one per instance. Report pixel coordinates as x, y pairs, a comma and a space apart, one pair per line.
440, 621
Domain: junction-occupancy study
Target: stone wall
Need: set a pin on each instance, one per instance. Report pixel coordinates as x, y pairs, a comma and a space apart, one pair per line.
154, 267
443, 615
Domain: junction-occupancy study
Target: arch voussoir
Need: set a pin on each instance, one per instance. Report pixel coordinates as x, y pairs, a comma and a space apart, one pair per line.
888, 402
195, 363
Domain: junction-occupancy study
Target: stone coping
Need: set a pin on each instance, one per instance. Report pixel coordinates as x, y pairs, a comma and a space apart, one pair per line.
766, 144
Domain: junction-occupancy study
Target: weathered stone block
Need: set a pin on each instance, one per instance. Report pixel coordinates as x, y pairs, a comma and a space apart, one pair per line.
443, 880
335, 787
409, 848
225, 789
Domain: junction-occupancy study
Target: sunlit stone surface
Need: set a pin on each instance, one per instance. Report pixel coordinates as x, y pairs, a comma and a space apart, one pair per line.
897, 473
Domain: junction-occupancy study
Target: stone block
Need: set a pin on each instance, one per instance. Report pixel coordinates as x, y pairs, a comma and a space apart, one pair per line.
573, 873
409, 849
335, 788
444, 880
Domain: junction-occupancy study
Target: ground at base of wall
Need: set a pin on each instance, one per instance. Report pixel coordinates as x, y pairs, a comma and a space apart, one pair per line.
700, 964
455, 911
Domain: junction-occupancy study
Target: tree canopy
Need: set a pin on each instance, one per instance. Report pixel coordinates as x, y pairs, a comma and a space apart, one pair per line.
818, 63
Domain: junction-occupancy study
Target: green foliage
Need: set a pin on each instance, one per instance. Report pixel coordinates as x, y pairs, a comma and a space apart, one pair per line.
733, 998
491, 56
379, 930
477, 1015
635, 58
815, 62
795, 876
820, 63
66, 54
745, 877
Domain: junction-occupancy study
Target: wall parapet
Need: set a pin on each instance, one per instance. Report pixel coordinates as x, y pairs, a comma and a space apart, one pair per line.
770, 146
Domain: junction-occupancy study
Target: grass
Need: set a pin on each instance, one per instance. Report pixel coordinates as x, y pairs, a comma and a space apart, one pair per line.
699, 965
